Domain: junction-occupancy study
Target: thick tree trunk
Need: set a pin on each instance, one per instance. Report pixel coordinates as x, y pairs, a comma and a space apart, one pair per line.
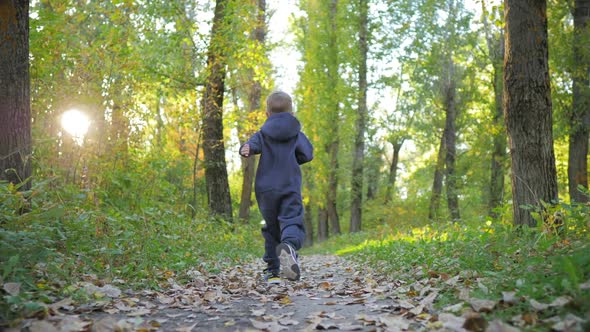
577, 170
254, 95
213, 146
527, 103
15, 107
397, 146
450, 148
359, 144
437, 183
322, 224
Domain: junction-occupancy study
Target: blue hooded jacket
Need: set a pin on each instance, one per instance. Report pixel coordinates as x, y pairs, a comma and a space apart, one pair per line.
283, 147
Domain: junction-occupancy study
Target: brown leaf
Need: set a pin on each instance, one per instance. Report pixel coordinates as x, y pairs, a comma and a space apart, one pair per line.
474, 322
499, 326
105, 324
480, 305
165, 299
12, 288
110, 291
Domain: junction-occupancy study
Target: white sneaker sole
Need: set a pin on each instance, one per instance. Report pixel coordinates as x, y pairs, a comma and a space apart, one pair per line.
289, 265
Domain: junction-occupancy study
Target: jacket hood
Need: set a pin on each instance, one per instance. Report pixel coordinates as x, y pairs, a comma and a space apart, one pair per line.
281, 126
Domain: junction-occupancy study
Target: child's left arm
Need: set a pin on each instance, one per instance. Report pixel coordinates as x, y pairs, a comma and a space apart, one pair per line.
303, 149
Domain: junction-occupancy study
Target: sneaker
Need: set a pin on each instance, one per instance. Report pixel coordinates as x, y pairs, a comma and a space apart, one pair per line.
289, 264
271, 277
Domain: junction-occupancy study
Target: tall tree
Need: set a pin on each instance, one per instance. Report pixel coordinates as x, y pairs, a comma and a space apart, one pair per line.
495, 44
254, 95
333, 144
437, 183
219, 198
527, 104
580, 116
359, 143
15, 107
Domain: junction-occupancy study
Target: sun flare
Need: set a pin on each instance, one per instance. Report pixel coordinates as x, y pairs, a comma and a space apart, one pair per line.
76, 124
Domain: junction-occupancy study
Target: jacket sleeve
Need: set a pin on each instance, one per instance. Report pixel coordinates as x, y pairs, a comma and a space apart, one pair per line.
303, 149
255, 143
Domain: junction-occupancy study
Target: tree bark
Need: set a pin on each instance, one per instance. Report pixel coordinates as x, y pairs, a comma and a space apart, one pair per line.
577, 170
333, 129
254, 95
219, 199
322, 224
15, 105
359, 144
498, 161
308, 210
437, 183
397, 146
450, 146
527, 103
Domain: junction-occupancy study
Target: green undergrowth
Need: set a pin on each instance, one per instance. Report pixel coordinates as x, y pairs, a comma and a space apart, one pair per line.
491, 257
67, 235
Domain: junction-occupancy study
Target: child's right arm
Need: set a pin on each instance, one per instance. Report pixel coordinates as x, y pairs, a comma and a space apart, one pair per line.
252, 146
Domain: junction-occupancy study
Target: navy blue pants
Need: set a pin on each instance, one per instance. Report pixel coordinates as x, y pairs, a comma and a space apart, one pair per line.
283, 214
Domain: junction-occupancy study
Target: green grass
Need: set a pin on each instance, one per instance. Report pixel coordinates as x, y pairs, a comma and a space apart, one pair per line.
66, 235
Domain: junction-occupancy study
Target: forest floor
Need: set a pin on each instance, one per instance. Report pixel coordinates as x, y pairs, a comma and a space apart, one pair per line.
333, 293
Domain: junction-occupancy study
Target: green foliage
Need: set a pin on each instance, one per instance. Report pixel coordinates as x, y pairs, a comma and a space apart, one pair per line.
66, 235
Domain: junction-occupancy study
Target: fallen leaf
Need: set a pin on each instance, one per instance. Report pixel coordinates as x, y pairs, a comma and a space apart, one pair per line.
452, 322
12, 288
560, 301
395, 322
267, 326
569, 323
186, 328
480, 305
509, 297
288, 322
538, 305
110, 291
258, 312
499, 326
454, 308
42, 326
105, 324
474, 322
139, 312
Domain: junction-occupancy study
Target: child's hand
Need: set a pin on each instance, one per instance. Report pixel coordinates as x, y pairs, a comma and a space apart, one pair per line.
245, 150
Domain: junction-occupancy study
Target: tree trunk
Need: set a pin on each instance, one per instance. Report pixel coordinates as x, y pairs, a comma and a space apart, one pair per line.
308, 210
219, 199
577, 170
498, 161
527, 103
254, 95
450, 139
15, 105
437, 183
359, 144
322, 224
333, 128
397, 146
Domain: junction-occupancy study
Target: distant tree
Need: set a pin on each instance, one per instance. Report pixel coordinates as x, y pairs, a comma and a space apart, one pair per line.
213, 145
580, 116
254, 96
495, 44
15, 109
359, 142
527, 104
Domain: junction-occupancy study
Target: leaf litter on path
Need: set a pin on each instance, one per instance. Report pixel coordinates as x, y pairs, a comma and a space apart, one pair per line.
332, 294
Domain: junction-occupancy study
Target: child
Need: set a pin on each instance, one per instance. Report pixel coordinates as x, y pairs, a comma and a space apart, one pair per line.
283, 147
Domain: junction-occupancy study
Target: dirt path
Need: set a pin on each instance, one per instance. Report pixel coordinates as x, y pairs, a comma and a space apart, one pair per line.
333, 293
